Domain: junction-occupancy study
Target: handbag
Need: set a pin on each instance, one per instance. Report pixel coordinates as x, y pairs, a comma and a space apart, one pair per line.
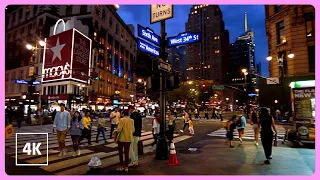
140, 148
117, 136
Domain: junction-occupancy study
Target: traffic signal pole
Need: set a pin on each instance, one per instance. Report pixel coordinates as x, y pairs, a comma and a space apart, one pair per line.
162, 150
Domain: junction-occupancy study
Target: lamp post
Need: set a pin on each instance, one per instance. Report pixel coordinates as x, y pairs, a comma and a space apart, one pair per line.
245, 73
281, 70
32, 75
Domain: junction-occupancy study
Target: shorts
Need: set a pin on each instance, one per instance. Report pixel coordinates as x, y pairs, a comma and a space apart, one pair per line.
255, 127
61, 135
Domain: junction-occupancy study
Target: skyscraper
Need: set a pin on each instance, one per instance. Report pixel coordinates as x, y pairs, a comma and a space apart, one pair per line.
241, 56
208, 59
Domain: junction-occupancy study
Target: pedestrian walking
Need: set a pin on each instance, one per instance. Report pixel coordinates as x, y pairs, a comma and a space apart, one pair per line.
76, 131
124, 133
62, 125
86, 132
186, 121
231, 126
241, 125
136, 135
220, 114
114, 117
175, 113
101, 128
155, 128
191, 130
20, 116
206, 114
267, 124
170, 121
255, 126
214, 114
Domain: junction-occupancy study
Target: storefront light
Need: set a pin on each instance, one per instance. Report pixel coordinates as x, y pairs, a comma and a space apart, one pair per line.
302, 84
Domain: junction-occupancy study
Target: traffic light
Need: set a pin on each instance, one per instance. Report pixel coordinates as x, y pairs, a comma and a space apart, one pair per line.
173, 82
96, 76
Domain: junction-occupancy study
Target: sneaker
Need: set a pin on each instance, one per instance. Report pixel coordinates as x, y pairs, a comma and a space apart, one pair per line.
78, 153
240, 140
60, 154
74, 154
133, 164
257, 144
64, 152
267, 161
181, 131
120, 169
270, 157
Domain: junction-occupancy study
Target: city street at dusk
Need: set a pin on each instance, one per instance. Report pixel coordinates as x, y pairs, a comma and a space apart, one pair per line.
160, 89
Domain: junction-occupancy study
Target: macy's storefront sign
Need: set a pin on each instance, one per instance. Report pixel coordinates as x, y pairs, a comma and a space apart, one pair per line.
65, 54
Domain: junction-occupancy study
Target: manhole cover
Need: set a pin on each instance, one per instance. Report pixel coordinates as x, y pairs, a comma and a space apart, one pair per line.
190, 151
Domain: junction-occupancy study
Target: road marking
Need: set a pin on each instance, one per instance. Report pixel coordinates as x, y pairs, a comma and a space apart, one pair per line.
72, 162
55, 157
106, 162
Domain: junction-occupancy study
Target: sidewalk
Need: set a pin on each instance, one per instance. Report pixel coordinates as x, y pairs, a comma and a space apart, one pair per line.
214, 157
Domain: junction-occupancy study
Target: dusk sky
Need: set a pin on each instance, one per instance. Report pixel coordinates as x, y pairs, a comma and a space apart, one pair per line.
233, 16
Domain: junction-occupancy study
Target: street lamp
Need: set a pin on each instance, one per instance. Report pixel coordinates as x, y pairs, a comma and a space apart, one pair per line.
140, 80
244, 70
257, 90
29, 46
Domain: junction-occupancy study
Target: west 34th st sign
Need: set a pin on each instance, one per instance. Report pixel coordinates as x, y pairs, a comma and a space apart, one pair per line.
183, 38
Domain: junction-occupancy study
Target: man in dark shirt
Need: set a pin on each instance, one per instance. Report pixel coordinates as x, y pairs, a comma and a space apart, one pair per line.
136, 135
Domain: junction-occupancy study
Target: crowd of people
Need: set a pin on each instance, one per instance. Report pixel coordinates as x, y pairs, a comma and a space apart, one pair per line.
262, 123
125, 128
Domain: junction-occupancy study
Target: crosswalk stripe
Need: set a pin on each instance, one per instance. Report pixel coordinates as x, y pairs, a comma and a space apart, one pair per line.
74, 161
248, 133
55, 157
106, 162
26, 156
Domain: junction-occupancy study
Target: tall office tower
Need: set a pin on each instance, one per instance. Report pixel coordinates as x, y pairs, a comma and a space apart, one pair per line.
208, 59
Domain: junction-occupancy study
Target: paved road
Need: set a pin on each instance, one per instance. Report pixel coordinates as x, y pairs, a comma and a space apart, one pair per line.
68, 165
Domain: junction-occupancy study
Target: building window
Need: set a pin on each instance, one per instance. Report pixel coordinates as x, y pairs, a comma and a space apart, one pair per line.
13, 19
44, 92
280, 30
95, 36
35, 9
20, 13
110, 22
69, 10
40, 22
277, 8
309, 20
283, 64
102, 41
27, 11
83, 9
117, 29
103, 14
311, 57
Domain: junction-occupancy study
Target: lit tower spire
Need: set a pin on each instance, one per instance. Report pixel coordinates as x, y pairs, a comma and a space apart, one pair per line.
245, 21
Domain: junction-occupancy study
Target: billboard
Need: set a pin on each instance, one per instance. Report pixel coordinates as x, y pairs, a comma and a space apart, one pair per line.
67, 56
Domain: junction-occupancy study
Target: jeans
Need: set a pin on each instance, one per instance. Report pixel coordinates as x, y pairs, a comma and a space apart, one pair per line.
185, 125
86, 133
266, 139
75, 142
126, 147
134, 149
113, 127
221, 117
102, 130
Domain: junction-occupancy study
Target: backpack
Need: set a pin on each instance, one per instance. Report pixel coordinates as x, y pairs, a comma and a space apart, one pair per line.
239, 122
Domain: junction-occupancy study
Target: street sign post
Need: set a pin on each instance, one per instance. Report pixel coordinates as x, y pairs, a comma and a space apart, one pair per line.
184, 38
144, 46
273, 81
165, 66
160, 12
22, 81
148, 34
